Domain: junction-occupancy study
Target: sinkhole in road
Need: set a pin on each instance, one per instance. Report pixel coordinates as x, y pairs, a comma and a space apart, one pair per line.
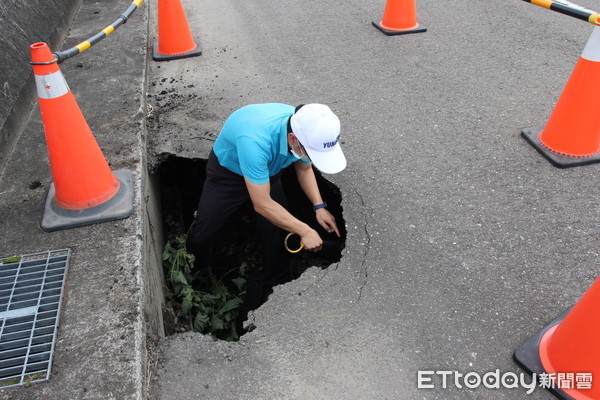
217, 300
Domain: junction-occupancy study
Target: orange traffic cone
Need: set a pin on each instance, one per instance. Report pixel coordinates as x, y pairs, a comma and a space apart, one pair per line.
174, 35
571, 136
573, 346
399, 17
568, 350
83, 184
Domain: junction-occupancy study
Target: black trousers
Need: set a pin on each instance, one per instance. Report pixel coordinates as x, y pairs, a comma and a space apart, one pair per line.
223, 194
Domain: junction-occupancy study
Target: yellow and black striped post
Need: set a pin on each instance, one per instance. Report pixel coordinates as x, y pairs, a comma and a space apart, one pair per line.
570, 9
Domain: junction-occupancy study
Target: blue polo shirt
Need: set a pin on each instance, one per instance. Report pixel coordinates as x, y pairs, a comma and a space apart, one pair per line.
253, 141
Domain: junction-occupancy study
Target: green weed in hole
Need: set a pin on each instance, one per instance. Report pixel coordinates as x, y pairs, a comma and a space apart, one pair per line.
210, 303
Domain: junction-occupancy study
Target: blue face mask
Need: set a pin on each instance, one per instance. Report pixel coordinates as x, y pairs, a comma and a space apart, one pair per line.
301, 158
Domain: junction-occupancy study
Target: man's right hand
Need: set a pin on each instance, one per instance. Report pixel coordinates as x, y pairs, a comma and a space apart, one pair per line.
312, 241
260, 194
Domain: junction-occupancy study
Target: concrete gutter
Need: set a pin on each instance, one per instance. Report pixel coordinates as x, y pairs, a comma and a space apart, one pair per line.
114, 293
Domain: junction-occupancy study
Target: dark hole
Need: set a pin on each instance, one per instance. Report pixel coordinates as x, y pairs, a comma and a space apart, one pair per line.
181, 181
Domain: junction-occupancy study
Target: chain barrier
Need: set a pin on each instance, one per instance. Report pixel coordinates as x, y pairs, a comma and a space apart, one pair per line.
61, 56
569, 8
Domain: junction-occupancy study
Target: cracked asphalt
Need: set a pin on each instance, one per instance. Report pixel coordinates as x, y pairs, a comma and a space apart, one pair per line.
462, 241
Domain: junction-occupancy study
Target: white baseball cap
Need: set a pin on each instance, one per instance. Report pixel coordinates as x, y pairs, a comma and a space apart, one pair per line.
318, 130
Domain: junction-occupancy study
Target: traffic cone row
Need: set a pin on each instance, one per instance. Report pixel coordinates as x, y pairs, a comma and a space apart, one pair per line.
86, 191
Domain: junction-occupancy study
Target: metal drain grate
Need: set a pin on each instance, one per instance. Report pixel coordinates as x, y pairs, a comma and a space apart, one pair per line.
31, 291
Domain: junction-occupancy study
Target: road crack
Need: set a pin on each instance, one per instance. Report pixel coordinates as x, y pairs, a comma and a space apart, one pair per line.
367, 214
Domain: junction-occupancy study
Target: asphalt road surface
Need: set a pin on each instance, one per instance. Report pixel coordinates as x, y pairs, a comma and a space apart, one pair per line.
463, 241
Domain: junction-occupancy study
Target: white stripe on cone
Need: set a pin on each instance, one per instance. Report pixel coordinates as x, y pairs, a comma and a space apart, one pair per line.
51, 86
592, 48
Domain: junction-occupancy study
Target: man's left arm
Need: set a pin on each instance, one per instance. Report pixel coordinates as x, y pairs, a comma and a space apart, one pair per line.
308, 183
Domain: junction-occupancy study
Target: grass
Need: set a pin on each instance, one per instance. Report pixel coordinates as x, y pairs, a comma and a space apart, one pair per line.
209, 302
